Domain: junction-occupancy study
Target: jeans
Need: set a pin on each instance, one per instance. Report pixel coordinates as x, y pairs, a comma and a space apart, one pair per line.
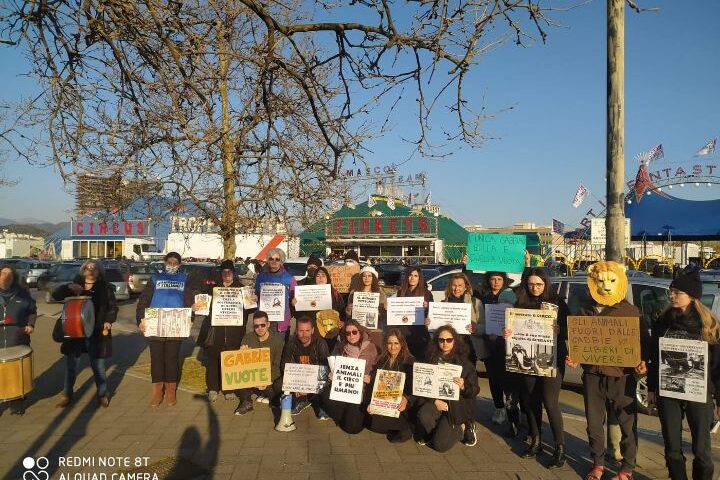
72, 364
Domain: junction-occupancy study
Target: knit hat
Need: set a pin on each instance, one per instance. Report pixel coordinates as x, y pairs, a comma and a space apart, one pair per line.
689, 283
227, 265
368, 268
313, 260
351, 255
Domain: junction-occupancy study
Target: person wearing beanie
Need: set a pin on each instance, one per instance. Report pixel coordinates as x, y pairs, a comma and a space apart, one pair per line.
313, 263
686, 317
376, 323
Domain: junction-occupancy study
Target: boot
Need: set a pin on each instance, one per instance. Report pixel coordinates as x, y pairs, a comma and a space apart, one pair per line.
170, 393
676, 469
157, 394
558, 458
513, 416
533, 449
65, 400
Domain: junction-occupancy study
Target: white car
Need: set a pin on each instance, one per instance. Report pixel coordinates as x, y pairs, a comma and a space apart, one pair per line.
437, 285
116, 279
297, 267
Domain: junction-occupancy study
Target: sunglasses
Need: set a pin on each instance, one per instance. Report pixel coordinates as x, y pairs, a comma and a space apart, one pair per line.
352, 332
274, 259
260, 325
446, 340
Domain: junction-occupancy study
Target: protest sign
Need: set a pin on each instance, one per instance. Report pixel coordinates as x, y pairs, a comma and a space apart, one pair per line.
405, 311
328, 323
436, 381
531, 348
249, 297
168, 322
311, 298
495, 318
341, 276
683, 369
347, 379
496, 252
202, 300
365, 308
387, 393
272, 301
610, 341
456, 315
227, 307
245, 368
302, 378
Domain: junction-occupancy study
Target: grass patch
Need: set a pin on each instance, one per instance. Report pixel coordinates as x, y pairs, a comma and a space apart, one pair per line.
192, 377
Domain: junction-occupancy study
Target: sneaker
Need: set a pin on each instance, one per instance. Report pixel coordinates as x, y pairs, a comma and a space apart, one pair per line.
262, 399
301, 405
104, 400
212, 395
623, 475
17, 407
64, 400
469, 437
244, 408
231, 396
322, 414
499, 416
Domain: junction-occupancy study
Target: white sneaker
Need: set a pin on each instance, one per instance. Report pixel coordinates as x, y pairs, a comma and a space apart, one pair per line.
500, 416
262, 399
212, 395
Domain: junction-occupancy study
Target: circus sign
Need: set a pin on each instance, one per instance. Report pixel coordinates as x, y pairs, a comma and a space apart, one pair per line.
673, 175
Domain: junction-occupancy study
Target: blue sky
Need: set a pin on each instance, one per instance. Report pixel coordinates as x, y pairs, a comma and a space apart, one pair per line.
551, 139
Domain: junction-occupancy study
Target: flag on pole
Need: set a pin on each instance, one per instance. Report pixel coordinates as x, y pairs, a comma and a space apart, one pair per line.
707, 149
349, 203
580, 196
428, 199
391, 203
656, 153
644, 184
371, 201
334, 204
558, 227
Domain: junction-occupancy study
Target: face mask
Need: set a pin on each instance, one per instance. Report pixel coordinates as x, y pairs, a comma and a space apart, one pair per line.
172, 269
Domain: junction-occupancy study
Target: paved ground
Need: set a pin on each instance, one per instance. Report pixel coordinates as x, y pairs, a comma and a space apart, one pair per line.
198, 440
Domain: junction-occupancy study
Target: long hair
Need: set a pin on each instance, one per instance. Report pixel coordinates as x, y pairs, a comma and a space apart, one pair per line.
333, 290
374, 287
525, 299
459, 352
455, 276
98, 268
406, 290
354, 323
709, 324
15, 276
404, 354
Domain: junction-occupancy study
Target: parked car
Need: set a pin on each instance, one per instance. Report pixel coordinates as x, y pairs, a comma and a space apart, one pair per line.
30, 270
710, 280
58, 274
117, 279
297, 267
438, 283
201, 275
390, 274
140, 274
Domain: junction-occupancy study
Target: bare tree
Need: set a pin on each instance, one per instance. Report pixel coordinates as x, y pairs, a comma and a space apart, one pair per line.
248, 109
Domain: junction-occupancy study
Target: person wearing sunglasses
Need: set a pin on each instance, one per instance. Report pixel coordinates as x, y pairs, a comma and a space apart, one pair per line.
443, 423
274, 272
262, 336
354, 343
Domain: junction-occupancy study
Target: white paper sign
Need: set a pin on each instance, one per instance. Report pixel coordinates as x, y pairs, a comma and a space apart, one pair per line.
457, 315
272, 301
249, 297
301, 378
495, 318
405, 311
387, 393
168, 322
347, 379
683, 369
436, 381
530, 349
202, 300
312, 298
227, 307
365, 308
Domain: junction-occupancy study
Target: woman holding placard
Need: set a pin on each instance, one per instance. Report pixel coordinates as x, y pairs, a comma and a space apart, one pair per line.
354, 342
321, 276
443, 423
376, 320
535, 391
686, 319
414, 285
396, 357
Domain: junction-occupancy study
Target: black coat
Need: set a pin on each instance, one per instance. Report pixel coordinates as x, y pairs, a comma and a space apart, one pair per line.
463, 409
224, 338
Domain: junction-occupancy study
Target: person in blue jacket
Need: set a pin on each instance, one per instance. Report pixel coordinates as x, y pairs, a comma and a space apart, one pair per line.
274, 272
168, 289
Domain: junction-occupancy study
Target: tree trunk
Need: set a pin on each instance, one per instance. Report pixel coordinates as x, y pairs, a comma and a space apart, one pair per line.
615, 219
229, 215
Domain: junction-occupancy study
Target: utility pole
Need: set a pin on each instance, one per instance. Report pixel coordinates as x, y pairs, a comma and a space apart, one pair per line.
615, 217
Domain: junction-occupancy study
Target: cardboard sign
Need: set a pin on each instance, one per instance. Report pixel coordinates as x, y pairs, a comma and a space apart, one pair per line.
609, 341
272, 301
683, 369
203, 303
301, 378
365, 308
347, 379
531, 348
227, 307
341, 276
168, 322
405, 311
496, 252
457, 315
495, 318
387, 393
312, 298
246, 368
436, 381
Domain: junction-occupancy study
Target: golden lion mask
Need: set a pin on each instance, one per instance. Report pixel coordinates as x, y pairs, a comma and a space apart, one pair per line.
607, 282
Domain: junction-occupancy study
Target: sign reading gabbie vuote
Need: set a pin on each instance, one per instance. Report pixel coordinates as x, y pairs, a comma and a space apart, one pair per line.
609, 341
246, 368
496, 252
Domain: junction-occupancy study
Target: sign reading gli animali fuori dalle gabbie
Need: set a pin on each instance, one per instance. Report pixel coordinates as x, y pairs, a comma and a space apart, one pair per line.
246, 368
609, 341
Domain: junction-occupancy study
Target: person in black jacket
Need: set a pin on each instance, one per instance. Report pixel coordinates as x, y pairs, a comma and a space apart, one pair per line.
90, 282
442, 423
417, 336
686, 318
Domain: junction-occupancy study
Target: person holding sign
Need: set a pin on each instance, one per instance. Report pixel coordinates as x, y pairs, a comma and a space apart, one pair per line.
168, 289
687, 318
354, 342
443, 423
606, 385
535, 391
414, 285
218, 339
263, 337
274, 273
321, 276
375, 321
396, 357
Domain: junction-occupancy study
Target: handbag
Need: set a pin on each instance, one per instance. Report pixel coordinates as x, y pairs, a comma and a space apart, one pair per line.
58, 334
209, 338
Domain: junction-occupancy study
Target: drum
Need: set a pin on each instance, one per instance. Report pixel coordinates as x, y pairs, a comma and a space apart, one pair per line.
16, 374
78, 317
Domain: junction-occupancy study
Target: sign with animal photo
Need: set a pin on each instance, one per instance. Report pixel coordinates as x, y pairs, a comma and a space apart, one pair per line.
683, 369
347, 379
405, 311
245, 368
531, 348
387, 393
365, 308
312, 298
302, 378
202, 301
167, 322
436, 381
608, 341
227, 307
249, 297
272, 301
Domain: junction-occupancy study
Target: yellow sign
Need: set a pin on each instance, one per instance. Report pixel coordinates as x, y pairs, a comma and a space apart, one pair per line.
245, 368
608, 341
341, 276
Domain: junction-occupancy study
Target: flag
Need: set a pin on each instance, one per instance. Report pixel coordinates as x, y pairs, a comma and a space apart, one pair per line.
334, 204
707, 149
643, 183
558, 227
428, 199
580, 196
409, 202
391, 203
656, 153
371, 201
349, 203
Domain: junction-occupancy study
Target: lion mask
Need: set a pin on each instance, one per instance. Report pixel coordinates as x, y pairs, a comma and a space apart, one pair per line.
607, 282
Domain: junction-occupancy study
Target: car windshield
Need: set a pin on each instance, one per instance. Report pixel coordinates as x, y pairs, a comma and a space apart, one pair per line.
67, 272
296, 269
113, 275
142, 269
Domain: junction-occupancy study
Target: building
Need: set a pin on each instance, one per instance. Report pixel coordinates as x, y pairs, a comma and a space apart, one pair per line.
19, 245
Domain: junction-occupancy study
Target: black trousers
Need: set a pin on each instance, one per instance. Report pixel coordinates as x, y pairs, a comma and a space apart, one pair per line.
617, 393
437, 427
348, 416
699, 417
538, 391
212, 368
164, 360
272, 392
383, 424
495, 367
